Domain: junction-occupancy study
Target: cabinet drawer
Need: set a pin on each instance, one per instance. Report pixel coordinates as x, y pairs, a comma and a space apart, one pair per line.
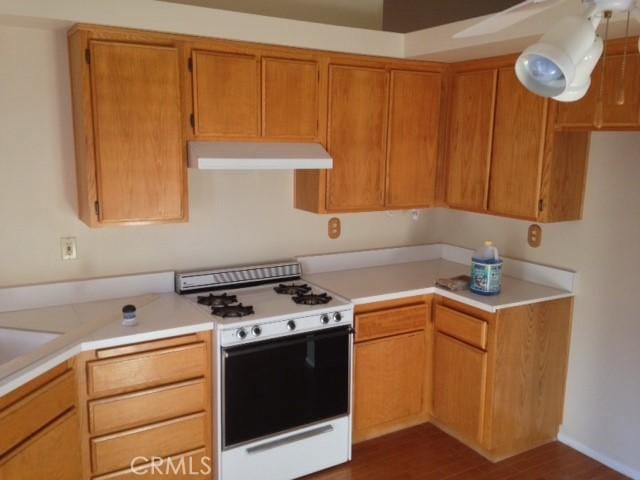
148, 406
31, 413
146, 369
189, 465
113, 452
393, 321
461, 326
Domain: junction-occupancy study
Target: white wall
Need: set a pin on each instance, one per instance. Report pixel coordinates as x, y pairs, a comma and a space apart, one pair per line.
235, 217
602, 409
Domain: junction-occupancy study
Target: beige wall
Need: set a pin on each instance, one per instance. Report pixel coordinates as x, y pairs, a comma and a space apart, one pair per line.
350, 13
602, 409
235, 217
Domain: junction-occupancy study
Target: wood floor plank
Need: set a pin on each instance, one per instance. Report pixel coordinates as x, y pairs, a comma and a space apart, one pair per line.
427, 453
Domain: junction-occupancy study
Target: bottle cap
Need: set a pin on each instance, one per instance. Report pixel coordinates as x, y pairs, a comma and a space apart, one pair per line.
129, 309
488, 242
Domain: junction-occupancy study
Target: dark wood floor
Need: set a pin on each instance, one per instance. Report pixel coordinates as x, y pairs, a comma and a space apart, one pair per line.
424, 452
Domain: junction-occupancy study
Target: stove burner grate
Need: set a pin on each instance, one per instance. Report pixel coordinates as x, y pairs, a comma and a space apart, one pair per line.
312, 299
217, 300
292, 289
232, 311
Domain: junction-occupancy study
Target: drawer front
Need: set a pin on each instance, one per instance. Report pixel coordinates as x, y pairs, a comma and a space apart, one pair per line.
461, 326
391, 322
116, 452
146, 369
148, 406
189, 465
31, 413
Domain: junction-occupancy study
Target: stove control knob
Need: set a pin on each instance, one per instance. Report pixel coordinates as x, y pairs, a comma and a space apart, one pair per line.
291, 325
256, 331
325, 319
337, 317
242, 333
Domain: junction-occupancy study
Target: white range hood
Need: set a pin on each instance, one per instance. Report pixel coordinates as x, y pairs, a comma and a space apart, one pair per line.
257, 156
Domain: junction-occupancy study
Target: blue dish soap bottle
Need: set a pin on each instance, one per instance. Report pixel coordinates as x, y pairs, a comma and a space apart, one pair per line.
486, 270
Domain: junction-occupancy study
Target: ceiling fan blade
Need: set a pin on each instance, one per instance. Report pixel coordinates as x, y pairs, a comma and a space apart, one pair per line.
506, 18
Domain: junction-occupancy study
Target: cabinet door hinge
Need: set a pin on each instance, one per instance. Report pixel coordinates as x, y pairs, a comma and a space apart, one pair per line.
87, 56
96, 206
541, 205
192, 120
190, 64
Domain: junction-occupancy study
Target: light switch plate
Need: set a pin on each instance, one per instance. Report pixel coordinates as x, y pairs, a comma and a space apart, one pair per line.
534, 236
68, 248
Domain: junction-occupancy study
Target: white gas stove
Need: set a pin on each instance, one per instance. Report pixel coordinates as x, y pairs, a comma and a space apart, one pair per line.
283, 370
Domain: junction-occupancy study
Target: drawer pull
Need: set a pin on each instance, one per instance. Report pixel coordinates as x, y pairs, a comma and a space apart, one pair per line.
296, 437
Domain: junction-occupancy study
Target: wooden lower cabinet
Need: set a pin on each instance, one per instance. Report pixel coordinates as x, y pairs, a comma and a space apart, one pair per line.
390, 367
508, 397
39, 430
147, 408
459, 380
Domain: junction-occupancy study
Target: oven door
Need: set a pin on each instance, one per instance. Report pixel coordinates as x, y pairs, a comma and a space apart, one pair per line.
277, 385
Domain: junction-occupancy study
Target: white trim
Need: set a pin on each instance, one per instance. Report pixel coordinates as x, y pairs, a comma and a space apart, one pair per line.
600, 457
331, 262
81, 291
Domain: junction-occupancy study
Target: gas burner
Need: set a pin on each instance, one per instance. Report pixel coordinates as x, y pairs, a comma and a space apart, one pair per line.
292, 289
217, 300
312, 299
232, 311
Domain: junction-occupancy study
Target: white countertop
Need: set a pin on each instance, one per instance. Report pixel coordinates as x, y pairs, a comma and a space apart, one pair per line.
359, 277
388, 282
93, 325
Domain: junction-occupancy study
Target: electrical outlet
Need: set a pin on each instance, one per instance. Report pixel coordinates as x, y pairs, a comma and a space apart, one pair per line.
534, 236
334, 228
68, 248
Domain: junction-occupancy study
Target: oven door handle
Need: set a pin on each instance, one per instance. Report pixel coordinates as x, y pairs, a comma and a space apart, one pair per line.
262, 346
296, 437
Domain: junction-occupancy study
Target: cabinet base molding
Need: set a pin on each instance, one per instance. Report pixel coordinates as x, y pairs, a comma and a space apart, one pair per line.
492, 455
387, 428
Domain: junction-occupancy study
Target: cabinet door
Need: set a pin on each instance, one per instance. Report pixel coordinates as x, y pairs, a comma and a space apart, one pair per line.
389, 380
518, 140
583, 112
226, 92
459, 385
357, 137
412, 148
290, 99
140, 168
53, 453
469, 139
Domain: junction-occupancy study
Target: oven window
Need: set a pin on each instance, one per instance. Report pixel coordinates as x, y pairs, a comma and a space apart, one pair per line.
277, 385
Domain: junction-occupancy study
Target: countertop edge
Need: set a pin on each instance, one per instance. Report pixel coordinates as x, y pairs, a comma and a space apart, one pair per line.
453, 296
28, 373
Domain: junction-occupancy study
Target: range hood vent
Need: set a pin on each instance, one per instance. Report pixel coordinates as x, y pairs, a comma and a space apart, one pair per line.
257, 156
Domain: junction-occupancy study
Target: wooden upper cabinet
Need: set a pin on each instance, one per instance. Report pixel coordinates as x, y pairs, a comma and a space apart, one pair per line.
518, 148
471, 112
290, 99
614, 116
226, 94
413, 138
356, 138
140, 168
